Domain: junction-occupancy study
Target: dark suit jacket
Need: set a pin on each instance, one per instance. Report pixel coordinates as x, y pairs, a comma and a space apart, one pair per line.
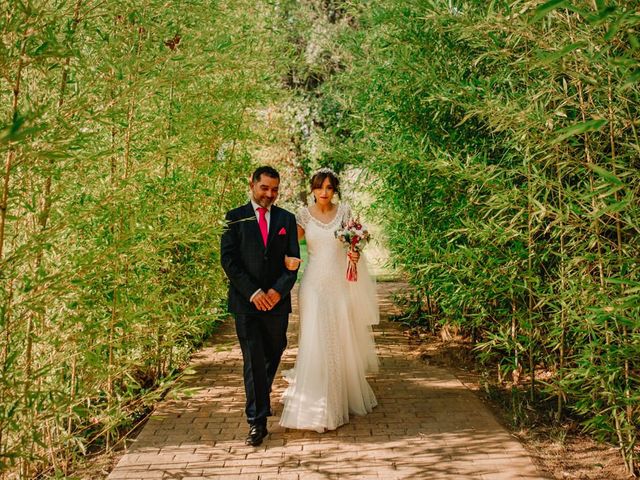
250, 266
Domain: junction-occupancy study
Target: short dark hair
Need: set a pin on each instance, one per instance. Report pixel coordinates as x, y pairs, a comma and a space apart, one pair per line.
318, 179
264, 170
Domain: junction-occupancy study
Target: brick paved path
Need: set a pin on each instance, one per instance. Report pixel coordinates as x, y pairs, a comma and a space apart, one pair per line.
427, 426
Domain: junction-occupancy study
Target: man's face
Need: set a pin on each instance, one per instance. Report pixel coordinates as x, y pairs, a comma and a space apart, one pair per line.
265, 190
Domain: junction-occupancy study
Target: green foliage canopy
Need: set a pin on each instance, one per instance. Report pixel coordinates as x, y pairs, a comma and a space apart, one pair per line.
504, 145
125, 133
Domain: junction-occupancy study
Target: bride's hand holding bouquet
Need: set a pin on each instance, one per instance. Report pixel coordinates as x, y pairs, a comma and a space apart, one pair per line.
355, 235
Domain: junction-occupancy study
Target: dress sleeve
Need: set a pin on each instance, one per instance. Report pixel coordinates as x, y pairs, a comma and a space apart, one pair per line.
346, 213
302, 217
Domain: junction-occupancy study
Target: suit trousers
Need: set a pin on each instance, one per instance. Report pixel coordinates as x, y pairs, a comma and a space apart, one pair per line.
263, 339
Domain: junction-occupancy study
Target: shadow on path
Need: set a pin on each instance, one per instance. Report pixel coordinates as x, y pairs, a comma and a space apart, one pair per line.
427, 426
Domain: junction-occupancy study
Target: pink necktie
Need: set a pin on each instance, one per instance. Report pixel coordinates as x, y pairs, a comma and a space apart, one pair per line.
262, 222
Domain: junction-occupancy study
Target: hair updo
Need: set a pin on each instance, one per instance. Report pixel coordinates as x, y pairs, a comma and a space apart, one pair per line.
321, 175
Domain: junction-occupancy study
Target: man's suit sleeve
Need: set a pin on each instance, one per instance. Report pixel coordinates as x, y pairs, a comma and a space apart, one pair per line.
287, 280
230, 260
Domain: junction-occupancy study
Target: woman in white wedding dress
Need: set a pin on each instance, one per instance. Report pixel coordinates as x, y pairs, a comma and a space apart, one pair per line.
335, 345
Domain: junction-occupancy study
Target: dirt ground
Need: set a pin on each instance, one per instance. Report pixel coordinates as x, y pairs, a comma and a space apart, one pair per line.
562, 452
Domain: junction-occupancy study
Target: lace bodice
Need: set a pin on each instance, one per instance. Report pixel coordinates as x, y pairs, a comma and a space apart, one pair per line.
303, 217
325, 251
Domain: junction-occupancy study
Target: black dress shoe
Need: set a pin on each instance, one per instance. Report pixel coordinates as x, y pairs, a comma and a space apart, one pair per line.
256, 434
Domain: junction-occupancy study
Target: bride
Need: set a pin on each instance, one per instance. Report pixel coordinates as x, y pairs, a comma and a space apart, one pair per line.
336, 347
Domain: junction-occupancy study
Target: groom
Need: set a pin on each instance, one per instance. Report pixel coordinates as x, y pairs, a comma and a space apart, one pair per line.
252, 251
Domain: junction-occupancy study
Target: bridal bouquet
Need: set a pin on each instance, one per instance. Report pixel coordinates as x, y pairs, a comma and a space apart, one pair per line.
355, 235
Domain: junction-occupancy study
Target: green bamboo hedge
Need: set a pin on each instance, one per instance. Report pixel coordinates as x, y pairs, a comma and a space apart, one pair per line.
124, 135
504, 140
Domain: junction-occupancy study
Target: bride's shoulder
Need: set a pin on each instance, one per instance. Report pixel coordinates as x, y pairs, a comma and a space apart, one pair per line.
345, 211
303, 211
302, 216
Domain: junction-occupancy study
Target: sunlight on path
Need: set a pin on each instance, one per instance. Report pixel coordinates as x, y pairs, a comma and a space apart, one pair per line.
427, 426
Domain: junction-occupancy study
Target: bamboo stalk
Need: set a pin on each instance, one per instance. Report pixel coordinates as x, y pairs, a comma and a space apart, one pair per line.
169, 135
127, 139
130, 116
597, 236
46, 209
118, 229
515, 375
27, 387
563, 286
4, 201
530, 254
589, 159
625, 333
5, 355
72, 396
53, 458
42, 221
110, 361
11, 152
113, 229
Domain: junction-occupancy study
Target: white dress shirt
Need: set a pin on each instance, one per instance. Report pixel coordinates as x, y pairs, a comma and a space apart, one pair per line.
267, 215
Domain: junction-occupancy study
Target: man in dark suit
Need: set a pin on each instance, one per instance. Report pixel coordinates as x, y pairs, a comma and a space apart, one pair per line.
253, 249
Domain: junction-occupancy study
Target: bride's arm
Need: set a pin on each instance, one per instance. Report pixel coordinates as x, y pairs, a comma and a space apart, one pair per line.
292, 263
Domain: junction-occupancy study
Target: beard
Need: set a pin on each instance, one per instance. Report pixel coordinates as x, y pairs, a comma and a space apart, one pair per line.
263, 201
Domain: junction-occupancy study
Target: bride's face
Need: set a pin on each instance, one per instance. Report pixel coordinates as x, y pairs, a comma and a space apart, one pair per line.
325, 193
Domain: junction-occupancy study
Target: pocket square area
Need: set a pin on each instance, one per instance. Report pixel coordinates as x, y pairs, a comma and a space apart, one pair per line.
282, 231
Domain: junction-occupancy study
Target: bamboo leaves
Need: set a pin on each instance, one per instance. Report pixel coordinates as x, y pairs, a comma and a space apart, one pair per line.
579, 129
109, 240
518, 136
547, 7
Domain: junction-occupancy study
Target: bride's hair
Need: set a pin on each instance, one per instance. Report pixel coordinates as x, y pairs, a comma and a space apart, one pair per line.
319, 177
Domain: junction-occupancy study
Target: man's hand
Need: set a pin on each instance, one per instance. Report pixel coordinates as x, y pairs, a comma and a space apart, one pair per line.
274, 297
263, 301
266, 301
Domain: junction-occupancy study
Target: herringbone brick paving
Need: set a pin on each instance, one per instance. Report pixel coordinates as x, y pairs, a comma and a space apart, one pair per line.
427, 425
